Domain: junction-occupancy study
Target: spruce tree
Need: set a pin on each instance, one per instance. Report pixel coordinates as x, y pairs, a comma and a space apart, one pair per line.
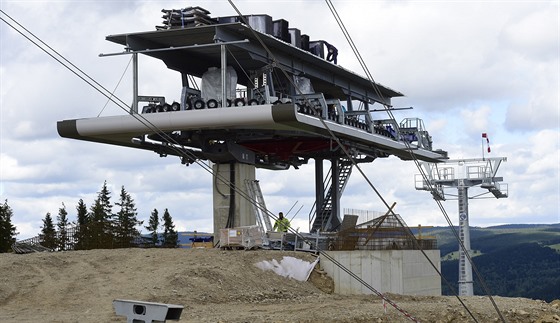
125, 222
82, 235
170, 236
48, 233
7, 230
152, 227
62, 225
101, 226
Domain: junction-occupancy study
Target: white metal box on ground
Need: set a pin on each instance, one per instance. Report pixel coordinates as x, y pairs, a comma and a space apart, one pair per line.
247, 237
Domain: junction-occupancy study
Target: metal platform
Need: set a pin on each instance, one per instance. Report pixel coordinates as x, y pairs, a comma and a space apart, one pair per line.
297, 134
266, 99
277, 124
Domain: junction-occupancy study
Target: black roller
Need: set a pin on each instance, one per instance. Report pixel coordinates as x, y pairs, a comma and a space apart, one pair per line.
199, 104
239, 102
212, 104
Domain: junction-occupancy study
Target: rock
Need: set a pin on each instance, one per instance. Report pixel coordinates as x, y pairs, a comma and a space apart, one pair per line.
549, 319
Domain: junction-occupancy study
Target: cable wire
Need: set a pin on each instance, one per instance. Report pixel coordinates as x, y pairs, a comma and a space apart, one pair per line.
82, 75
149, 125
366, 70
343, 148
173, 145
116, 86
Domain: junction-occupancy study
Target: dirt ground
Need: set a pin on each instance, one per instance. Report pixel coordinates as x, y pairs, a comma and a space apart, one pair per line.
215, 286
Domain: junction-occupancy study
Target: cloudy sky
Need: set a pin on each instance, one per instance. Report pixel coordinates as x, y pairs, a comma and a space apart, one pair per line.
467, 67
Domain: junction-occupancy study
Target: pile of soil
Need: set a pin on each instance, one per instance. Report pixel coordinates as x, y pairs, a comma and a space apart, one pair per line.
215, 286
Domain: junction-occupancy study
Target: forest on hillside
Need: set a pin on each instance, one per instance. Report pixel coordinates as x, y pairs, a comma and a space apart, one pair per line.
514, 261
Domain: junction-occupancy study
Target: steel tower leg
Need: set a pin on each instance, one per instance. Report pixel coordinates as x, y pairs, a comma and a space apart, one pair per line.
319, 189
134, 108
465, 268
334, 220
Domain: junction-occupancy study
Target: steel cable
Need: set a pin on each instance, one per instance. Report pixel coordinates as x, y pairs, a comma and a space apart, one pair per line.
424, 176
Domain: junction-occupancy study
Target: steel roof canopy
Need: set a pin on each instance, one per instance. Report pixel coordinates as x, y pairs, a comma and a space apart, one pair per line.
326, 76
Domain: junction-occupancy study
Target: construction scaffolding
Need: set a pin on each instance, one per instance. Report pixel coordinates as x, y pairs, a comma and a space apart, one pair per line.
382, 233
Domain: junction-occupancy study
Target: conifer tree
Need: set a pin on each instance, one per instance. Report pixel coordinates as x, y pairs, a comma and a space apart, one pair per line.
152, 227
7, 230
82, 234
170, 236
125, 222
101, 226
62, 225
48, 233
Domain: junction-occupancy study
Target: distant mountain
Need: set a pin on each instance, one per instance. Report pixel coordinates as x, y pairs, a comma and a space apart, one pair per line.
516, 260
524, 226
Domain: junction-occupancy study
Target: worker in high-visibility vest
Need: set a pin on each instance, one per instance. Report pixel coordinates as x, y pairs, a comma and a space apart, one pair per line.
282, 224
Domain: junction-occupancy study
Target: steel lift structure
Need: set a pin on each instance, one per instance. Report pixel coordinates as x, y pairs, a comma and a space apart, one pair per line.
477, 173
268, 98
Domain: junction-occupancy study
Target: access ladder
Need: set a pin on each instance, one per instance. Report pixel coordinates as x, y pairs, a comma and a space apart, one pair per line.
259, 208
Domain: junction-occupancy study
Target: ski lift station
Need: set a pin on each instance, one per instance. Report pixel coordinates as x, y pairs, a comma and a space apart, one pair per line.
271, 97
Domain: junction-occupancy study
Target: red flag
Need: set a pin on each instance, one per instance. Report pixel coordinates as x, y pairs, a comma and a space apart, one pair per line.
484, 135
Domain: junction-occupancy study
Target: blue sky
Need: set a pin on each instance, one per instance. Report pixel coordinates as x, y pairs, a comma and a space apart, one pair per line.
466, 67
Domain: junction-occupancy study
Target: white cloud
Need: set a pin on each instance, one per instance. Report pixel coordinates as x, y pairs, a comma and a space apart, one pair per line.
519, 36
540, 108
466, 67
476, 120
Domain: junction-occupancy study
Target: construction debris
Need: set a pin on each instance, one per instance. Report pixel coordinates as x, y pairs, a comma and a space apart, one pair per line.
23, 247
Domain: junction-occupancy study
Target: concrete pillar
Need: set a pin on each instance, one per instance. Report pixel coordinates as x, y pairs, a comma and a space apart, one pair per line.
241, 208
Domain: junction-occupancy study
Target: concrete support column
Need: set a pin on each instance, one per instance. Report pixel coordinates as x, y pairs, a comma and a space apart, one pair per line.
229, 203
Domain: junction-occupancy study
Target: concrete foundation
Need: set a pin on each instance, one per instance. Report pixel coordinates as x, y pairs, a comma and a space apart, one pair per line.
405, 272
243, 214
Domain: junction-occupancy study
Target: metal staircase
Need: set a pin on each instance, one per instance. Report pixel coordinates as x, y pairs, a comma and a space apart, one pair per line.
259, 208
323, 219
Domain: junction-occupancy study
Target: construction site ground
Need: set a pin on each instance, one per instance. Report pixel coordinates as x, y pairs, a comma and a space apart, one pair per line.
215, 285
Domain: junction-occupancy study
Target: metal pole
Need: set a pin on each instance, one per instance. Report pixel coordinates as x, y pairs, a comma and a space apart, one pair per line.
134, 83
465, 268
319, 190
223, 70
335, 195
